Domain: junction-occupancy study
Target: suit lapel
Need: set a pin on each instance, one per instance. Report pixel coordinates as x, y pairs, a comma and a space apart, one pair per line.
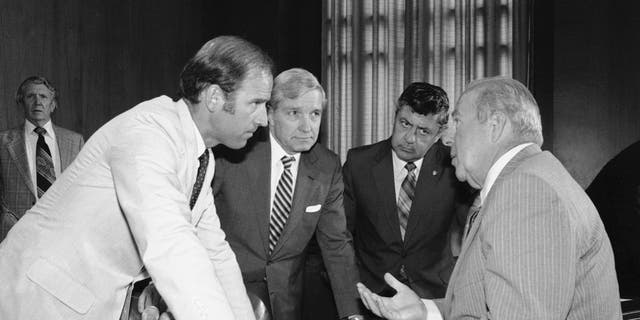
19, 155
65, 148
382, 172
511, 165
305, 181
258, 175
430, 172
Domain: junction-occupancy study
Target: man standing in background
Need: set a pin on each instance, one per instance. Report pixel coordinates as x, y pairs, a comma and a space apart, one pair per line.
33, 155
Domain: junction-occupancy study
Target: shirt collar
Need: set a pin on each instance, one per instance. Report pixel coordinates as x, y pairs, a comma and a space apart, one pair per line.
187, 122
277, 152
398, 164
29, 127
497, 167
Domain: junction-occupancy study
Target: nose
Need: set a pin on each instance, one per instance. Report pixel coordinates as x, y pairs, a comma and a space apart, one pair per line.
305, 124
447, 136
261, 117
410, 136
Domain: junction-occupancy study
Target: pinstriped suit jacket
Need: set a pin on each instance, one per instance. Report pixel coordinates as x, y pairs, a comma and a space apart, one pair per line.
537, 250
16, 189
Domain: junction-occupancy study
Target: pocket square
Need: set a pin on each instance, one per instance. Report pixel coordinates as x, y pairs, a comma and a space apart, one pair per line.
312, 209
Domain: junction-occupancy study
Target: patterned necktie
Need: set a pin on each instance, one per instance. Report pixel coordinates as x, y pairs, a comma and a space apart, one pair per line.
473, 213
202, 171
405, 198
45, 174
281, 203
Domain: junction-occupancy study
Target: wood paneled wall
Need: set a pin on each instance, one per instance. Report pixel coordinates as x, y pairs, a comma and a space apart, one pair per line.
596, 104
106, 56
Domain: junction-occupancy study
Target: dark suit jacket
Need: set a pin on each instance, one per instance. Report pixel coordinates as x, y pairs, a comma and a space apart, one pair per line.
437, 216
616, 194
241, 189
16, 188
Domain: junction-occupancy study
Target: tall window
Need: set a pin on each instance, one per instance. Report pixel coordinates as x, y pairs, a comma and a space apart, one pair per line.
373, 49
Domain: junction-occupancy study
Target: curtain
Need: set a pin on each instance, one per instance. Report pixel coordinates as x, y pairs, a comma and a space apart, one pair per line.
373, 49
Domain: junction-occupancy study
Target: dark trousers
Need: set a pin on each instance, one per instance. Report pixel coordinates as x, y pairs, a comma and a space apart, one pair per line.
317, 297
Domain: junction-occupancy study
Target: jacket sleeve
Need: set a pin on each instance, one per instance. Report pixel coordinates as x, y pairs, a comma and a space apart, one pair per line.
337, 248
145, 160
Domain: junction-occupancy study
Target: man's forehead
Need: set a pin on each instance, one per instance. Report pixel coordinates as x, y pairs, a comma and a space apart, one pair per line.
37, 87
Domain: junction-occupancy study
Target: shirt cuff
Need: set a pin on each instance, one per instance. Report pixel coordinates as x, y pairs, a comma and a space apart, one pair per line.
432, 310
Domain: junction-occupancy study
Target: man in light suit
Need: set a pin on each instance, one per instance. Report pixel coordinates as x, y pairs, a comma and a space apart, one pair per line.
536, 249
421, 250
137, 202
276, 194
20, 182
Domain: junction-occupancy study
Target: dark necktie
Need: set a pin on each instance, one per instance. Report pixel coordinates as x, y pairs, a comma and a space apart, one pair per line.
45, 174
405, 197
202, 171
281, 203
473, 214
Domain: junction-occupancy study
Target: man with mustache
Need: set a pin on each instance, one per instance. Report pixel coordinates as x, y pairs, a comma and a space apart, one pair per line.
404, 206
34, 154
536, 247
278, 193
137, 202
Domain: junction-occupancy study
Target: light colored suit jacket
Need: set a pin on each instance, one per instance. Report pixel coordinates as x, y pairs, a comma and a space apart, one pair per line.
16, 187
537, 250
122, 205
241, 190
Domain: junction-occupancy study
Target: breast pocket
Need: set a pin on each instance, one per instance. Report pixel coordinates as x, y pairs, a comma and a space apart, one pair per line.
76, 300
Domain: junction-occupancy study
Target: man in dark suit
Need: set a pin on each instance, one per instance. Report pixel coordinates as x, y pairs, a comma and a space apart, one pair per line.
616, 194
32, 155
277, 193
404, 205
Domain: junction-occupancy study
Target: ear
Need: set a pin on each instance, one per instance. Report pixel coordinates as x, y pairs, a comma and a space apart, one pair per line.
498, 122
213, 97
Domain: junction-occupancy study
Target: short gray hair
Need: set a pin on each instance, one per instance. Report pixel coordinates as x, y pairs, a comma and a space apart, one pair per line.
35, 80
512, 98
293, 83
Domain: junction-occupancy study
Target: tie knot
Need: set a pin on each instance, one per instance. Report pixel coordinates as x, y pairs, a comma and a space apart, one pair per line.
287, 162
40, 131
410, 166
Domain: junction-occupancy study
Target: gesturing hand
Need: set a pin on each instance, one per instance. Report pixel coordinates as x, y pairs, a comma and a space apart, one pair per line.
404, 305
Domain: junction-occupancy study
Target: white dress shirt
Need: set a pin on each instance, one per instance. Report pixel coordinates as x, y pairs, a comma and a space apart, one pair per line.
31, 141
432, 310
277, 152
400, 172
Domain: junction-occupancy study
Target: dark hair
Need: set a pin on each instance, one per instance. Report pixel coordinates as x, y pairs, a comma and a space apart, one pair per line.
224, 61
426, 99
35, 80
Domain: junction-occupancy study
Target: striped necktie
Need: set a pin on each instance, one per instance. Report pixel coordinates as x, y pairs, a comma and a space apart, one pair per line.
473, 214
45, 173
405, 197
202, 171
281, 203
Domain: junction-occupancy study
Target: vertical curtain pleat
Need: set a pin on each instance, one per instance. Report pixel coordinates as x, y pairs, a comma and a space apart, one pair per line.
375, 48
